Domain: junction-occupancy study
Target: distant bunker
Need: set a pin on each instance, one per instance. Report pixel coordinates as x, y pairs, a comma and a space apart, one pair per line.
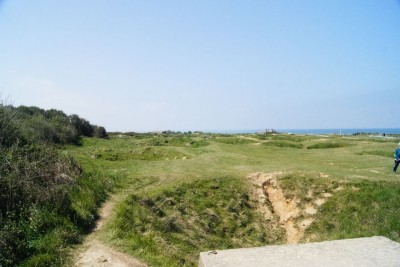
371, 251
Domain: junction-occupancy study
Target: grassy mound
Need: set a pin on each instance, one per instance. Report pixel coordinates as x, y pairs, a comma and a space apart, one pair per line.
326, 145
360, 210
234, 140
169, 227
148, 153
283, 144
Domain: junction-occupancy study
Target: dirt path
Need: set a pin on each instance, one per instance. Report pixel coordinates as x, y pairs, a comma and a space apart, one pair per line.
272, 201
95, 253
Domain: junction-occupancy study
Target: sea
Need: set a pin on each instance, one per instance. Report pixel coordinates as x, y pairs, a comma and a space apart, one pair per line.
337, 131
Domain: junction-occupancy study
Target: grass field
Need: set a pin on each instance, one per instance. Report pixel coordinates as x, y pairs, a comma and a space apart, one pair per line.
190, 193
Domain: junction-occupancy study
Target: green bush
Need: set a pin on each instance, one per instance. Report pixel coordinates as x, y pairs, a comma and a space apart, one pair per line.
100, 132
46, 200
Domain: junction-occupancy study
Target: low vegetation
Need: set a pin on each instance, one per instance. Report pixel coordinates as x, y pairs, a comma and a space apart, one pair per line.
283, 144
183, 192
325, 145
175, 223
361, 209
47, 201
382, 153
233, 140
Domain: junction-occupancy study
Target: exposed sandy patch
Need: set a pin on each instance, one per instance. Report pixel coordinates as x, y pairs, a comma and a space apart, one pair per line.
271, 201
104, 214
310, 209
97, 254
249, 138
307, 222
374, 171
94, 253
284, 208
339, 188
258, 180
319, 201
326, 195
323, 175
293, 233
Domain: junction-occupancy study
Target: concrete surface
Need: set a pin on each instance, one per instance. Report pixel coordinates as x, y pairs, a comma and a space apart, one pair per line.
371, 251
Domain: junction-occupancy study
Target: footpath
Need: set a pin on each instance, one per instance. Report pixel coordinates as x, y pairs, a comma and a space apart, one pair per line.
94, 253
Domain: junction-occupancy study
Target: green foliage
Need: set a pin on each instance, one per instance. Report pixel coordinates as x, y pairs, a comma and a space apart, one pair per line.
82, 126
100, 132
90, 191
54, 126
175, 224
35, 174
42, 193
9, 131
327, 145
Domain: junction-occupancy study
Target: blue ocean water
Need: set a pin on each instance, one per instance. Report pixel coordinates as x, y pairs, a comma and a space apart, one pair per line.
343, 131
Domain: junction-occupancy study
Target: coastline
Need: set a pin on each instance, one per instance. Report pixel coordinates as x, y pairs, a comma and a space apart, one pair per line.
337, 131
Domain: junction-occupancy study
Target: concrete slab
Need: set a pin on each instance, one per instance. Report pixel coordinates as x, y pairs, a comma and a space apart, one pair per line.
371, 251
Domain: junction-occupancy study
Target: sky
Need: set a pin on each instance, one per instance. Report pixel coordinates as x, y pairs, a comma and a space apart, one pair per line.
205, 65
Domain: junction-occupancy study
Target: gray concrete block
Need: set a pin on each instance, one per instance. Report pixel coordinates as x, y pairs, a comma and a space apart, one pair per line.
371, 251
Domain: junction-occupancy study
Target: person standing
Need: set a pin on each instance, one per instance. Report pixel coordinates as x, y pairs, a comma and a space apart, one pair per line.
396, 158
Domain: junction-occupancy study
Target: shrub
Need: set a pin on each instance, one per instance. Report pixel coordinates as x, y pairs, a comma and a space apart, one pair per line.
100, 132
82, 126
46, 200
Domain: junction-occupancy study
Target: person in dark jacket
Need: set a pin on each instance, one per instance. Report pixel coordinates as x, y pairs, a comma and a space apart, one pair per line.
396, 158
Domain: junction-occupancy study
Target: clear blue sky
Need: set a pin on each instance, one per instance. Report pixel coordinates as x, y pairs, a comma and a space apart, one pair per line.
205, 65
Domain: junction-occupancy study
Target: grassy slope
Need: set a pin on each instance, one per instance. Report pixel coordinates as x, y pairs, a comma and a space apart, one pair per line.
177, 166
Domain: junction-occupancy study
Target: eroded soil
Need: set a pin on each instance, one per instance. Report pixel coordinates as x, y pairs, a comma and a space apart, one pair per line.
289, 213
